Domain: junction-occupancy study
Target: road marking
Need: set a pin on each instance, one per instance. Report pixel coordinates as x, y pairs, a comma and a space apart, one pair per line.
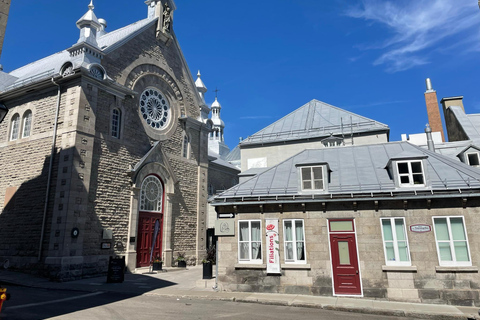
55, 301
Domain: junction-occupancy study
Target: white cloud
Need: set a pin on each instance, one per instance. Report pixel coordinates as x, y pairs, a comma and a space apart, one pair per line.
418, 28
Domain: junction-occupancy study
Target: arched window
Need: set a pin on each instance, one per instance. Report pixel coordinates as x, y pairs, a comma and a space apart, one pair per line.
15, 127
116, 121
186, 146
27, 124
151, 194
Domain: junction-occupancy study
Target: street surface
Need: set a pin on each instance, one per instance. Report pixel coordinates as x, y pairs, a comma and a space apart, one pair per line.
32, 303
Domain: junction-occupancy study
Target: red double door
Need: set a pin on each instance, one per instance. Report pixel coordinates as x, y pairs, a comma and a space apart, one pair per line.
146, 230
346, 275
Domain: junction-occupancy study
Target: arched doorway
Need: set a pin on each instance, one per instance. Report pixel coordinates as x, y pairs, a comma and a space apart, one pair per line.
150, 210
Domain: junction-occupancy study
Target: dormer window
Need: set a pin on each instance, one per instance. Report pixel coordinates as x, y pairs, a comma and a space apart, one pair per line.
410, 173
312, 178
473, 159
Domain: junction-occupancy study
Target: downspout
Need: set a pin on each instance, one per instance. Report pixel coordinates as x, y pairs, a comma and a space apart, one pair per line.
50, 169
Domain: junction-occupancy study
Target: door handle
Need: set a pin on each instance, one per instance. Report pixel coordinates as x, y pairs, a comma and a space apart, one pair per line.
357, 271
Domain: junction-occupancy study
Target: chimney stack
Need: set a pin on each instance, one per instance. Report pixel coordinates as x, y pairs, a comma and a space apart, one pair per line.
434, 118
430, 144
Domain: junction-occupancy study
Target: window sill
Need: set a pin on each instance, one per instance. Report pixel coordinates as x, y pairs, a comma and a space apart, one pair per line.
399, 268
250, 266
456, 269
297, 266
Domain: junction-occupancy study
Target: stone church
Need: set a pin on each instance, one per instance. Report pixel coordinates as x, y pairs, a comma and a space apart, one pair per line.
102, 142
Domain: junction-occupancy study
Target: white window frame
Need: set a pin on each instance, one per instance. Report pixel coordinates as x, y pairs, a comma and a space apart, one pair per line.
468, 159
410, 174
15, 127
249, 241
115, 129
294, 242
395, 262
27, 116
312, 181
452, 263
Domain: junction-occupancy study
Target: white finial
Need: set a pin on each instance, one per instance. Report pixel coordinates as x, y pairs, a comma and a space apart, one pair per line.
198, 74
90, 6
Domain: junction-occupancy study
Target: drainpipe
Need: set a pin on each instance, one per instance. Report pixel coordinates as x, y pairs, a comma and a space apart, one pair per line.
428, 132
50, 169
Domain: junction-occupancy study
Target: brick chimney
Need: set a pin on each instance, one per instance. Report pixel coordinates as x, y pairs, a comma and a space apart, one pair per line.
434, 118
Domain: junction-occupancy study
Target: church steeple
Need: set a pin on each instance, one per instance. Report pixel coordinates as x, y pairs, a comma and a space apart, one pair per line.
216, 142
202, 89
89, 25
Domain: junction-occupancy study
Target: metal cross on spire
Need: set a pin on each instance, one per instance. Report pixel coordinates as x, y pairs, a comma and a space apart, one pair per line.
216, 91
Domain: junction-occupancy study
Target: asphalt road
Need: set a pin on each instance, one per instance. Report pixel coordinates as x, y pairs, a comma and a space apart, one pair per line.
31, 303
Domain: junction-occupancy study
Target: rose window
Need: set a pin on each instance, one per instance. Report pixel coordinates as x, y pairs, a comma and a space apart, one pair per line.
154, 109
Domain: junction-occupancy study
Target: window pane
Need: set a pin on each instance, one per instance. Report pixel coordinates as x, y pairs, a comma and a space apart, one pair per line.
300, 251
244, 231
343, 252
256, 250
402, 167
403, 251
256, 231
418, 179
458, 232
288, 231
441, 229
473, 159
319, 184
289, 251
27, 124
404, 179
389, 250
317, 173
341, 226
416, 167
399, 229
387, 230
445, 253
299, 230
307, 185
461, 252
244, 251
306, 174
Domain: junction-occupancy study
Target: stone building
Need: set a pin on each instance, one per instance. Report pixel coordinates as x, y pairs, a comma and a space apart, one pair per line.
387, 221
314, 125
4, 9
101, 141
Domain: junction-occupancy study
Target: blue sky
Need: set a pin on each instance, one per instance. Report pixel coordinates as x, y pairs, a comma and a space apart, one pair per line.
270, 57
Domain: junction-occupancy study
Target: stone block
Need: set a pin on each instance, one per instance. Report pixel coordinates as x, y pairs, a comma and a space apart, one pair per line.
429, 294
377, 293
297, 290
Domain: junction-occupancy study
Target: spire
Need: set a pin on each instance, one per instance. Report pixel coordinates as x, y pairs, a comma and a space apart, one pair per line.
200, 85
88, 25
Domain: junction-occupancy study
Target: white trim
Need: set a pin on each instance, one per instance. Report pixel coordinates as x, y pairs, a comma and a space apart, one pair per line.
410, 174
250, 260
358, 257
468, 159
294, 242
452, 263
323, 167
395, 243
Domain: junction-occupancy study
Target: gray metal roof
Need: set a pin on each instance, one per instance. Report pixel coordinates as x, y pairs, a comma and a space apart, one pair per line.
470, 123
52, 64
215, 158
357, 171
234, 154
314, 120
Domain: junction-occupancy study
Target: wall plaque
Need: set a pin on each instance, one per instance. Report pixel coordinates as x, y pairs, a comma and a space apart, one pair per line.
420, 228
225, 227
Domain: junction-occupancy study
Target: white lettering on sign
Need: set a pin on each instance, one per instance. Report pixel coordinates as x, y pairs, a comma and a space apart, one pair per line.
420, 228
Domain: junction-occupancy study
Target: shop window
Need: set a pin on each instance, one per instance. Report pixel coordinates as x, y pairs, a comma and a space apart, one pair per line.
452, 242
249, 241
294, 241
395, 242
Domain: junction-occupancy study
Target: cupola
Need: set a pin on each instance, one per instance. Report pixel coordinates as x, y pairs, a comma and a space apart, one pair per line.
89, 25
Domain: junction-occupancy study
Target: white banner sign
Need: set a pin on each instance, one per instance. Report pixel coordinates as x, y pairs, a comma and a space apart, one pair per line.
273, 246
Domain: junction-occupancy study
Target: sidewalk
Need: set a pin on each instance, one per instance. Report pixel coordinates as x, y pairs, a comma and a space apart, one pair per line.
187, 283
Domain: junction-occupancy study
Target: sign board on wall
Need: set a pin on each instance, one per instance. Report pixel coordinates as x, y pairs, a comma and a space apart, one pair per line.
420, 228
273, 246
225, 227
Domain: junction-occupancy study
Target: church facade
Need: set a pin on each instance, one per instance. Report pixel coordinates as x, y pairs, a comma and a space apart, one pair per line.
105, 152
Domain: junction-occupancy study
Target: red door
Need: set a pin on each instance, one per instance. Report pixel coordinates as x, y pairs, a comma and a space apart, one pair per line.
346, 278
146, 229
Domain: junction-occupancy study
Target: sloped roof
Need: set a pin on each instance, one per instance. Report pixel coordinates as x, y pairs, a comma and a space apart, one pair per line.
234, 154
314, 120
469, 122
215, 158
357, 170
50, 65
